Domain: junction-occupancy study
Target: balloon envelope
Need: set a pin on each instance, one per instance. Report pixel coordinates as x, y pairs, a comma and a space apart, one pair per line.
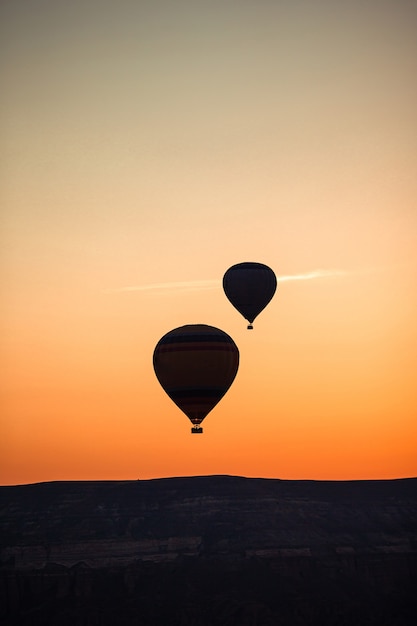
249, 287
196, 364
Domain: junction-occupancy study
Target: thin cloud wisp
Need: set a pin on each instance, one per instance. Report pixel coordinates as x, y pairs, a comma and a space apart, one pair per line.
199, 285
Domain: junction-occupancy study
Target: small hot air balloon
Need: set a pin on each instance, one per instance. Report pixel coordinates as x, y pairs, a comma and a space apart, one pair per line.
196, 364
249, 287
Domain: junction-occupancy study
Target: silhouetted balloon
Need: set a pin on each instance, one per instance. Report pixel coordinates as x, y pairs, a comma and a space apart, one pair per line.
196, 364
249, 287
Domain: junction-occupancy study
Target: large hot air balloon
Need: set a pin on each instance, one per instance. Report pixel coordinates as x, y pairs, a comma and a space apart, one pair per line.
196, 364
249, 287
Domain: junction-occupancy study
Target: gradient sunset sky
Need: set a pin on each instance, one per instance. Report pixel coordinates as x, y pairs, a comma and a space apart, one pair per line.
147, 146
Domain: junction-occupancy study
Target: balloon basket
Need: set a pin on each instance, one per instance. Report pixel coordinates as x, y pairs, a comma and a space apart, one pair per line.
250, 327
196, 430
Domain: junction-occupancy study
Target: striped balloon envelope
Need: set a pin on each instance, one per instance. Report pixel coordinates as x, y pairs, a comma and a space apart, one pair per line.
195, 365
249, 287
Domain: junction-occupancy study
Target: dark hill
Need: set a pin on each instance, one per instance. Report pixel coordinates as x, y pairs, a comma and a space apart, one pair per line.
209, 551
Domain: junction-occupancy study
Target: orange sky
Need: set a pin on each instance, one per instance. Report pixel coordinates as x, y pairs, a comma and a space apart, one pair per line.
147, 147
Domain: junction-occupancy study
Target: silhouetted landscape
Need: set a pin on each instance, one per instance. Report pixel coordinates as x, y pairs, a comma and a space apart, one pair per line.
208, 551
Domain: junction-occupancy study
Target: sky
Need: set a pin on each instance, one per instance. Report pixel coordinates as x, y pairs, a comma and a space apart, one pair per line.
147, 146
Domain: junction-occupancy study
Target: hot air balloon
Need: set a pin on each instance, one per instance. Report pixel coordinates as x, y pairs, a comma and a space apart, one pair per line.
249, 287
195, 365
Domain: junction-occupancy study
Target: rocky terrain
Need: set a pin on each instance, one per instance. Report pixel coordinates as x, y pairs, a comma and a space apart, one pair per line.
208, 551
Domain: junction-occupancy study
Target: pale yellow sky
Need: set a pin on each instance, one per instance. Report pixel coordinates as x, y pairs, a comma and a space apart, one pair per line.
149, 143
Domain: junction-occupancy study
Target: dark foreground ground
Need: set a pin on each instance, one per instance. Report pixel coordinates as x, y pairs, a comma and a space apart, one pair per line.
208, 551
